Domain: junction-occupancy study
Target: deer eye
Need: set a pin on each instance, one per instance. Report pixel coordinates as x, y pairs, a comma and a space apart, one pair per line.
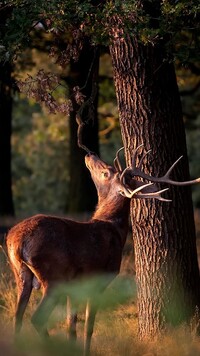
105, 174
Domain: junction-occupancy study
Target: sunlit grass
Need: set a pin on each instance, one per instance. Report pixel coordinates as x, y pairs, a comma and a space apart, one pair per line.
115, 332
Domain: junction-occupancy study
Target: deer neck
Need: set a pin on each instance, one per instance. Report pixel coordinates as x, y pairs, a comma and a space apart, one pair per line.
116, 212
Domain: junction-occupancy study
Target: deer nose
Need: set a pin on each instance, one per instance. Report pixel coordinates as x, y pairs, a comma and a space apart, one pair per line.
91, 154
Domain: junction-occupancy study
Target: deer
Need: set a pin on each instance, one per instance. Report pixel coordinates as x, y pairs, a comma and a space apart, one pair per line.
48, 250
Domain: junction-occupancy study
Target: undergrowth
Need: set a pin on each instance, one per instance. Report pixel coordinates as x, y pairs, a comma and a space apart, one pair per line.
115, 332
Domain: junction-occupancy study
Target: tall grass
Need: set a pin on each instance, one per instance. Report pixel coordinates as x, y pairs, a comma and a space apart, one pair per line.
115, 330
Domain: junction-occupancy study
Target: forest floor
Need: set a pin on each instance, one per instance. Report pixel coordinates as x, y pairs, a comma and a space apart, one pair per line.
115, 330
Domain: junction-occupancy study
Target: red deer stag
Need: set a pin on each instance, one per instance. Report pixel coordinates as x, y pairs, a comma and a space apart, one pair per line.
49, 250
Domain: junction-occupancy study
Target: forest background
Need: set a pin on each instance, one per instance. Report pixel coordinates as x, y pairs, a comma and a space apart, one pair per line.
40, 140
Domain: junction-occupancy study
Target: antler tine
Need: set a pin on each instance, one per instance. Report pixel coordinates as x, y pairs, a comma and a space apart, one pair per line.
142, 159
122, 181
136, 171
172, 167
116, 161
133, 161
163, 199
117, 166
166, 179
130, 193
156, 195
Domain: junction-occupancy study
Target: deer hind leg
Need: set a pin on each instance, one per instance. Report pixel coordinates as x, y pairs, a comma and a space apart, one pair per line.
24, 278
43, 311
90, 314
71, 320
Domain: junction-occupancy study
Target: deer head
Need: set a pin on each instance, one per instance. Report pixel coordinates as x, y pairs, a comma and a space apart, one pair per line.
124, 181
113, 180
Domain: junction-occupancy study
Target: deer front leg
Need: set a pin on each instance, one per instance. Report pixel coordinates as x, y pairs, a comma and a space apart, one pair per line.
71, 320
91, 310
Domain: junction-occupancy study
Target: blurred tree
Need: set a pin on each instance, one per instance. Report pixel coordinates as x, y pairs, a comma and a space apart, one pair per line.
40, 160
84, 74
81, 74
6, 200
40, 143
188, 77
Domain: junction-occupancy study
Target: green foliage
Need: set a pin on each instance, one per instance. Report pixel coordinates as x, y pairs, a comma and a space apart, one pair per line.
193, 142
115, 331
16, 33
188, 82
150, 20
40, 160
40, 145
120, 291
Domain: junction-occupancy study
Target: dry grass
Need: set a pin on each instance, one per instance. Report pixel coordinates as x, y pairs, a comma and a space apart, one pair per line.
115, 329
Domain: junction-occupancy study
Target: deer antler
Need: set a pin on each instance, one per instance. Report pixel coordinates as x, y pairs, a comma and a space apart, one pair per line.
116, 161
143, 190
136, 172
156, 195
130, 193
127, 191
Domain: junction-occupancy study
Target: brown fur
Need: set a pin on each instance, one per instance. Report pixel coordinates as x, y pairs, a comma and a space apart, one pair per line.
48, 250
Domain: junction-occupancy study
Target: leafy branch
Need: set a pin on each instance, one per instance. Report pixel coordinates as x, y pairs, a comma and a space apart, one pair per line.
44, 87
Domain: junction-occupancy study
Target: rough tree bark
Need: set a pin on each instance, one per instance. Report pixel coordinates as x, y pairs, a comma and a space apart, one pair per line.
6, 201
164, 235
84, 73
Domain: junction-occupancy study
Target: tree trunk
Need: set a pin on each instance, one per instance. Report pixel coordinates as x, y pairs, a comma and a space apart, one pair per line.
164, 235
84, 73
6, 201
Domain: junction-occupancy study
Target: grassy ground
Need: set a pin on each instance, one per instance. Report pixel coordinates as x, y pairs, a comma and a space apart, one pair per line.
115, 328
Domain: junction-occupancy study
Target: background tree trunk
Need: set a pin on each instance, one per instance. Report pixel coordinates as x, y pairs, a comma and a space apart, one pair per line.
163, 233
84, 73
6, 201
